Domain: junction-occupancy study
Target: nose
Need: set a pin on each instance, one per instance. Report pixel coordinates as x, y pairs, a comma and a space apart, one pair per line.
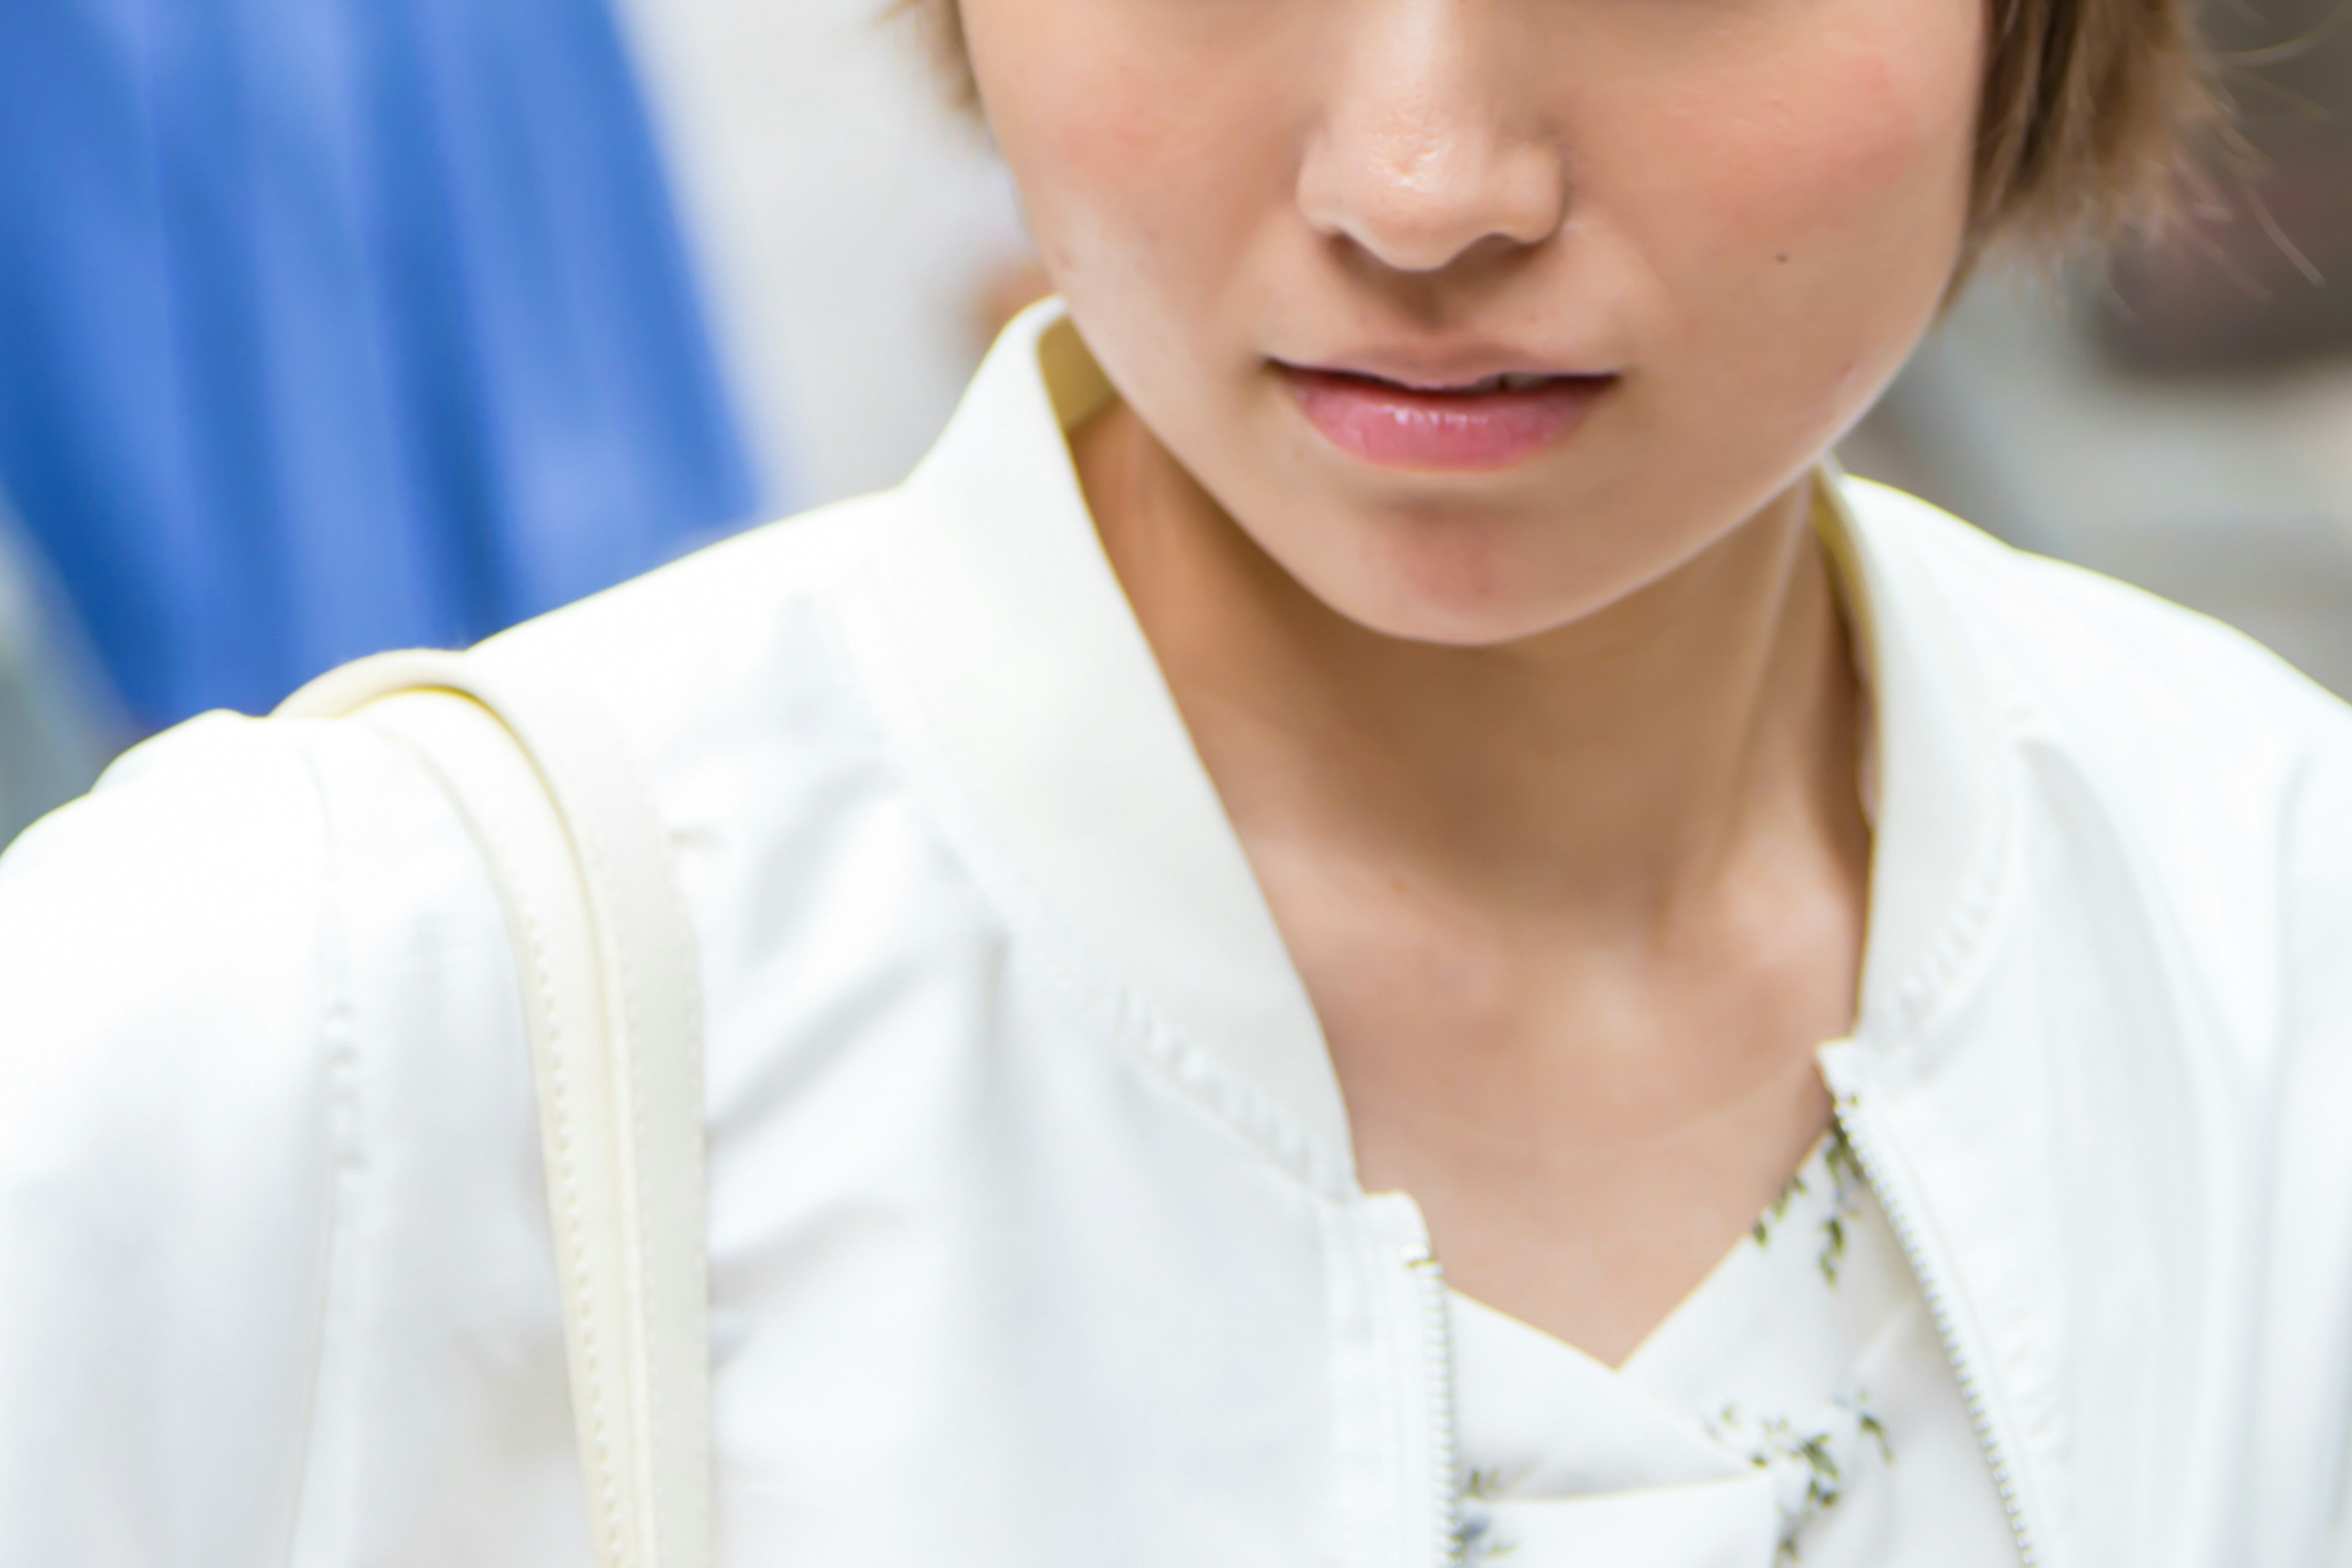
1426, 150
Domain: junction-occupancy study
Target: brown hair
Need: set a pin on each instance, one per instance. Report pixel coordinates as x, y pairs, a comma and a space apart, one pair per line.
2092, 115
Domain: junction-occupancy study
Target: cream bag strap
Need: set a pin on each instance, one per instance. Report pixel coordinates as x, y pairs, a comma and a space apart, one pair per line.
612, 1009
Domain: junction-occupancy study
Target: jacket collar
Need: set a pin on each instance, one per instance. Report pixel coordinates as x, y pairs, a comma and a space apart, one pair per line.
1935, 809
1043, 696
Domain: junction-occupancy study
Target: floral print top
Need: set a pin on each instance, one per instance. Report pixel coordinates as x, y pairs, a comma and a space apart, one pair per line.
1796, 1408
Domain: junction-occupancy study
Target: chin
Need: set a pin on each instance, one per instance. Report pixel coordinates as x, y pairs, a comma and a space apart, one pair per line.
1457, 586
1411, 608
1454, 626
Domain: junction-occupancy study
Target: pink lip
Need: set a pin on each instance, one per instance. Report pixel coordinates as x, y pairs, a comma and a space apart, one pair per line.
1395, 426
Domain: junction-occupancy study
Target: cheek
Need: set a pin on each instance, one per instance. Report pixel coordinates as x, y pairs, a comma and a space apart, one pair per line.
1846, 151
1819, 206
1066, 110
1137, 135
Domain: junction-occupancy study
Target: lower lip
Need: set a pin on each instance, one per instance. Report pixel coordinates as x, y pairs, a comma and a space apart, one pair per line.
1392, 427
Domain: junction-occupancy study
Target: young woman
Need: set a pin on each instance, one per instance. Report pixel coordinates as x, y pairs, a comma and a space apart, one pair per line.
1375, 742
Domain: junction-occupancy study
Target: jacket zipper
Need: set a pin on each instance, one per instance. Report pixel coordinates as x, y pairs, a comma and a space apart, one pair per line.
1853, 1123
1437, 1348
1437, 1341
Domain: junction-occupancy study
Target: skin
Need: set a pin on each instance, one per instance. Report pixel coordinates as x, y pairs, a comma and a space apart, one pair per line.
1548, 772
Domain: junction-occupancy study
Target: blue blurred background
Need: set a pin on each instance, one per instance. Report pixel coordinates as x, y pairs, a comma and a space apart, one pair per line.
333, 325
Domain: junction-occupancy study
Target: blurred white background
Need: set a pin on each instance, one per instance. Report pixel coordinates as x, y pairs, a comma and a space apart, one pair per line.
849, 224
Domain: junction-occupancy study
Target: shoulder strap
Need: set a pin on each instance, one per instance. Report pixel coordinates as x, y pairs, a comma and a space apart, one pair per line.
614, 1013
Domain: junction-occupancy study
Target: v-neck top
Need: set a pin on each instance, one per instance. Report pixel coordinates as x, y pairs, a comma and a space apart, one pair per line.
1796, 1407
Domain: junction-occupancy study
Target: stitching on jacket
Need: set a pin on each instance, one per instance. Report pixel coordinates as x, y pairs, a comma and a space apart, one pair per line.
336, 1036
559, 1091
535, 941
1003, 887
591, 844
638, 790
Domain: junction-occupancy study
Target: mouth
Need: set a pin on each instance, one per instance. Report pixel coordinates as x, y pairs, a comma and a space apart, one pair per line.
1493, 422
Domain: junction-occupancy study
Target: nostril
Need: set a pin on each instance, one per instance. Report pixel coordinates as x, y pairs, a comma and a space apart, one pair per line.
1421, 202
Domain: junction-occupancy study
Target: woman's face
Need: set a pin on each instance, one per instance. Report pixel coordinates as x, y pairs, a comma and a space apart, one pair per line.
1303, 236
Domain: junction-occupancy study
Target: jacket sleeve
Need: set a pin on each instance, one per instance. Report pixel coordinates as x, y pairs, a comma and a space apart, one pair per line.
169, 1019
276, 1282
2303, 1348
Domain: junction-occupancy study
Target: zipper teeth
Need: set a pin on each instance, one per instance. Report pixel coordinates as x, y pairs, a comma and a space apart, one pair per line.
1866, 1150
1437, 1339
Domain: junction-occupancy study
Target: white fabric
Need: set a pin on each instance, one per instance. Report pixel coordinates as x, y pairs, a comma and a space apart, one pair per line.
1796, 1407
610, 1005
1033, 1227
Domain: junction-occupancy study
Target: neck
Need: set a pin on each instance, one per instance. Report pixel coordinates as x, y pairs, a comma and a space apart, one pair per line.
1615, 769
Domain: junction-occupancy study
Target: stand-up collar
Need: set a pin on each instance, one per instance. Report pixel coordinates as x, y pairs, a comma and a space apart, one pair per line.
1045, 699
1052, 713
1934, 812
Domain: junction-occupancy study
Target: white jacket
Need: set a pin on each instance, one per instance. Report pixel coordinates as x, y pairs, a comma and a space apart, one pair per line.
1035, 1230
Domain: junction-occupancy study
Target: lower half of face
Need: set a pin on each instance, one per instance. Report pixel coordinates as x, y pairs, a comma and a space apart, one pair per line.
1481, 315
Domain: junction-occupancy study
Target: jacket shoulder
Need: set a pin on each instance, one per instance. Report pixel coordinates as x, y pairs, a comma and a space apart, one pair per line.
179, 949
676, 655
165, 1138
2208, 779
2106, 664
191, 882
256, 998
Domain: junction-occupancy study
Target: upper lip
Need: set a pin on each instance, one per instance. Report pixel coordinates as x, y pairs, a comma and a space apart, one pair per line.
1461, 370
